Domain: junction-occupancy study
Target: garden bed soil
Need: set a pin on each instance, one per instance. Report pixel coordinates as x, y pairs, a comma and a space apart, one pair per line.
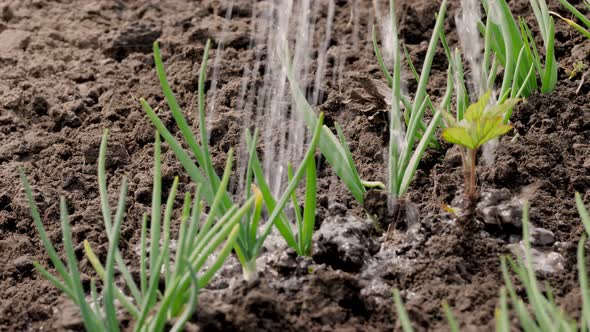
69, 69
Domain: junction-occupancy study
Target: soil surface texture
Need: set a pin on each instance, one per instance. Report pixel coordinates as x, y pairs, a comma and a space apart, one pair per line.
70, 69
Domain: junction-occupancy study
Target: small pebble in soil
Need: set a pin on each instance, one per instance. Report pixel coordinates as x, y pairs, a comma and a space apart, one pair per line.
500, 211
23, 264
541, 237
502, 216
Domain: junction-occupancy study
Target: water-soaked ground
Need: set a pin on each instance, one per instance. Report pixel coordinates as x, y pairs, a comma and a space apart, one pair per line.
68, 70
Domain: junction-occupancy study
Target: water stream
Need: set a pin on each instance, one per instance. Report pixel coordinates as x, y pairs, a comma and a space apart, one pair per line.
471, 43
472, 46
306, 27
274, 26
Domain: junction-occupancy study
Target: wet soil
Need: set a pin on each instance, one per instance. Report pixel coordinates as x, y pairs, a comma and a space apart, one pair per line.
70, 69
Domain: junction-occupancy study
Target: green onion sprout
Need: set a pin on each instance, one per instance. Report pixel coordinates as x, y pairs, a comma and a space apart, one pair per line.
184, 274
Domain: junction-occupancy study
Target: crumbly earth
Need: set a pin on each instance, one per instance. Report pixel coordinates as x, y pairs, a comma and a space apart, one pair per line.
70, 69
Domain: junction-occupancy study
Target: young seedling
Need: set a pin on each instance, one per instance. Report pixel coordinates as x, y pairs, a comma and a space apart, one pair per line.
541, 313
481, 123
184, 274
515, 49
249, 243
334, 149
404, 155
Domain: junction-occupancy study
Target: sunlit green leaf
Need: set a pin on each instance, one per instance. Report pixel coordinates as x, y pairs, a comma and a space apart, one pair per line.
481, 124
458, 135
475, 110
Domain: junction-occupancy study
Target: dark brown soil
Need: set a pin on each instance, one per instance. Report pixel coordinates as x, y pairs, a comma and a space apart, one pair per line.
69, 69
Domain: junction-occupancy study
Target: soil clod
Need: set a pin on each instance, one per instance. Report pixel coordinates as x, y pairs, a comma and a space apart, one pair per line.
344, 243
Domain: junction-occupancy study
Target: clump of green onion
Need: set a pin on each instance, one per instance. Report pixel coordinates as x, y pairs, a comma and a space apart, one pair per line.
184, 274
249, 242
334, 149
513, 46
542, 313
404, 155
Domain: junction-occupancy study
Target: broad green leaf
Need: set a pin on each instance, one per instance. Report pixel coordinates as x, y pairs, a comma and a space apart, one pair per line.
488, 129
480, 125
459, 136
476, 110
